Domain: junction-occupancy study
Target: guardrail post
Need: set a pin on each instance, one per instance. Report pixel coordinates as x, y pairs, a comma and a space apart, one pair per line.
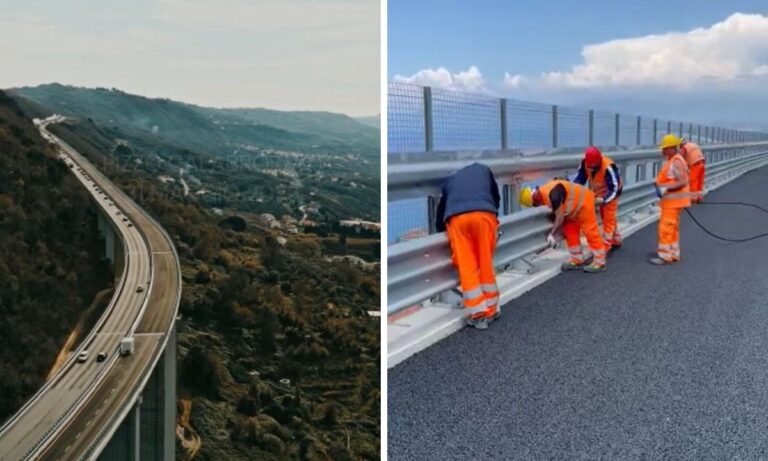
591, 138
616, 124
554, 126
655, 131
639, 128
429, 133
432, 214
503, 108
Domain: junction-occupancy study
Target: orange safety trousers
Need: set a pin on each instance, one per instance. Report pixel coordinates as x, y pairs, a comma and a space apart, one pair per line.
585, 222
611, 234
696, 181
472, 237
669, 234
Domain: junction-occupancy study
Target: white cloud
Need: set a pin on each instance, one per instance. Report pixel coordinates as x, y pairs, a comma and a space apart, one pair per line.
470, 80
513, 81
730, 50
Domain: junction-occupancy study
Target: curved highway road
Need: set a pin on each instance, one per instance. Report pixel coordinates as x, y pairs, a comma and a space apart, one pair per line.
79, 406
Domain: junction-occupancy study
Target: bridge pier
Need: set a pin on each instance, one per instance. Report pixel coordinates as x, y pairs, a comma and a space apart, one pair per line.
148, 433
113, 248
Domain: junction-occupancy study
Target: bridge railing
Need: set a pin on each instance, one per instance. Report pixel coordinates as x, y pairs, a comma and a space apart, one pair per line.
433, 132
421, 269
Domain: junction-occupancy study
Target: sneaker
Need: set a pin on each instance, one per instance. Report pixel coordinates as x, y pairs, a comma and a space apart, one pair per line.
657, 261
594, 268
571, 266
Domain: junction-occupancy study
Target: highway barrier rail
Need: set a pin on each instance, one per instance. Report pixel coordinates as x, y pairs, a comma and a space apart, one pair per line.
421, 269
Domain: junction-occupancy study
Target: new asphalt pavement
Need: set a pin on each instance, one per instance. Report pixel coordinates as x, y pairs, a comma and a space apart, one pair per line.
639, 362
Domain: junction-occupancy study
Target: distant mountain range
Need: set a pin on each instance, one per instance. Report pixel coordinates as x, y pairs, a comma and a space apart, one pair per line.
203, 128
372, 120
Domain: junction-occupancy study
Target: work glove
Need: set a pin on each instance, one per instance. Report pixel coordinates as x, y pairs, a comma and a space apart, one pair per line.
660, 191
599, 201
551, 241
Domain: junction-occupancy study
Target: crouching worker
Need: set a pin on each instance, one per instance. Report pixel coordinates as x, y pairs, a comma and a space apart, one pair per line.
467, 211
574, 208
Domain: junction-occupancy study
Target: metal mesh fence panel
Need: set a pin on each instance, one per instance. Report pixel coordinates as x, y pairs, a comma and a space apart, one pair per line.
627, 130
407, 220
529, 125
572, 127
405, 118
465, 121
663, 129
646, 131
604, 126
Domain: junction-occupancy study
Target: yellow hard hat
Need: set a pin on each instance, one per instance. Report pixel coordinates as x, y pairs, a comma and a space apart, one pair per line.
526, 197
670, 140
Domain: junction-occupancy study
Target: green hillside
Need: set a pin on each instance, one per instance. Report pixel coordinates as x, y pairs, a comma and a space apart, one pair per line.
51, 266
253, 160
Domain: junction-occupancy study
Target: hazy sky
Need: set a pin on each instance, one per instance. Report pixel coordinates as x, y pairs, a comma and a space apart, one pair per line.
280, 54
704, 61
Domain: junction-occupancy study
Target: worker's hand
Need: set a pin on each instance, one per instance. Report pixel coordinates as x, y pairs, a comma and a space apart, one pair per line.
660, 191
551, 241
599, 201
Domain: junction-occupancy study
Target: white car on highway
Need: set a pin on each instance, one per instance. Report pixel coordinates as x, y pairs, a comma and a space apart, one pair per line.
82, 356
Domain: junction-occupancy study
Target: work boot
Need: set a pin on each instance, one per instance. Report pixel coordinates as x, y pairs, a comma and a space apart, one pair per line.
481, 323
572, 265
658, 261
594, 268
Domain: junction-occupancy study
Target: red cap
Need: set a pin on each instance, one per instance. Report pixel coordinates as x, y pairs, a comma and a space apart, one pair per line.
592, 157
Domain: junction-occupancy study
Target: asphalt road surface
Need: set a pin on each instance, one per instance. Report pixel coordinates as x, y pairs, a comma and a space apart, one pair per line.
640, 362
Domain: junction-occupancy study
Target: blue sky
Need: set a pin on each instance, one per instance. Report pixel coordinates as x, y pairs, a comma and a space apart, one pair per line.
724, 63
281, 54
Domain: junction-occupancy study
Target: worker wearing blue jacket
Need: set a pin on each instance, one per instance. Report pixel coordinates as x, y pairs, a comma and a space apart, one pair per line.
467, 211
604, 179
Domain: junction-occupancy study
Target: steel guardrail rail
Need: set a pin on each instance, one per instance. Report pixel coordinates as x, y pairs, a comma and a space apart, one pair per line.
420, 269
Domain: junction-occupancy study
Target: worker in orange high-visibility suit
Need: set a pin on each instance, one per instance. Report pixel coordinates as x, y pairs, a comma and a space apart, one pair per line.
574, 207
674, 194
603, 177
696, 161
468, 210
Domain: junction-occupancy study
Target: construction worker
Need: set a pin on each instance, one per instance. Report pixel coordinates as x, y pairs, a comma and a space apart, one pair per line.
468, 210
696, 168
574, 208
673, 192
604, 180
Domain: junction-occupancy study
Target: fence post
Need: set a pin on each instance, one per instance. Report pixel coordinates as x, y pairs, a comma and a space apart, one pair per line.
616, 123
432, 214
698, 135
503, 108
690, 131
639, 127
554, 126
655, 131
591, 138
429, 133
669, 126
681, 129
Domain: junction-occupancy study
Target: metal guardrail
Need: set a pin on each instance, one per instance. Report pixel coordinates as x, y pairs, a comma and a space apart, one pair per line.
421, 269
